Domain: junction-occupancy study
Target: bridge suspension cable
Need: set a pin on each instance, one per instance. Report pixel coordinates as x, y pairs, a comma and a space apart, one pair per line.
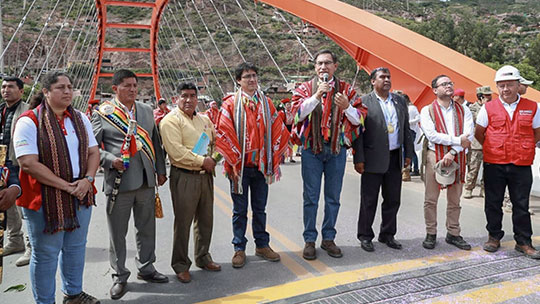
51, 49
228, 31
175, 53
189, 50
39, 38
262, 42
200, 46
81, 9
213, 42
21, 23
294, 32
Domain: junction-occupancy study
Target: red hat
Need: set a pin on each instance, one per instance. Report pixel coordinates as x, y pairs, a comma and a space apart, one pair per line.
286, 100
459, 92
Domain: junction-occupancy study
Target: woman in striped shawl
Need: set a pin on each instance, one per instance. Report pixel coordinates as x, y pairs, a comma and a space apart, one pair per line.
58, 156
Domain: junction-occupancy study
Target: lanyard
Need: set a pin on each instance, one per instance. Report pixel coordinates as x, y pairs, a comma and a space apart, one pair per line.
383, 103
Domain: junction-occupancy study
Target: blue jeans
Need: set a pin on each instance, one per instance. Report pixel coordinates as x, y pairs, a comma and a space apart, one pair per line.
313, 167
47, 249
253, 181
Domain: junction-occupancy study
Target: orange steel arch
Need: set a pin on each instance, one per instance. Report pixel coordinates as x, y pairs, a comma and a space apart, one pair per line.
157, 10
413, 59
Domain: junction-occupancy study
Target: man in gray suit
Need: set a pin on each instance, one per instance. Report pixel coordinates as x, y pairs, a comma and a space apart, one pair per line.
136, 190
379, 153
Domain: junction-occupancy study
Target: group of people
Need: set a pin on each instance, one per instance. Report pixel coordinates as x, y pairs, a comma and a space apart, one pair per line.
58, 150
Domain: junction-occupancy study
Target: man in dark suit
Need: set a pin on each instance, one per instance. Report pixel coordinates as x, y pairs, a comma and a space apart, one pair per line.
379, 153
137, 187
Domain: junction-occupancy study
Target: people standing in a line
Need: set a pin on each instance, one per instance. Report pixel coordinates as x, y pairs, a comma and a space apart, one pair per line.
136, 191
509, 127
252, 139
448, 127
13, 106
329, 112
59, 157
181, 131
475, 155
381, 152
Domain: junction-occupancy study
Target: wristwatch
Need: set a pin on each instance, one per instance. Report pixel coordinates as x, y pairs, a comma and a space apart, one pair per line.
89, 178
453, 152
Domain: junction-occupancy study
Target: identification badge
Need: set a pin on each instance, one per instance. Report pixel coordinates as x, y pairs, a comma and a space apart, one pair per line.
106, 109
390, 128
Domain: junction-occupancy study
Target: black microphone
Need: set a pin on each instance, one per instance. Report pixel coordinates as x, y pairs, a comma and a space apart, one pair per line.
325, 79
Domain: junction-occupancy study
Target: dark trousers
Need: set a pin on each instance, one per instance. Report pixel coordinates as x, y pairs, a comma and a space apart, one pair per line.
253, 182
390, 182
519, 182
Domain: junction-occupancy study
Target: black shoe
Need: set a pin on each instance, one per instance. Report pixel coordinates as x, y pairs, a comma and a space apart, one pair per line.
367, 245
155, 277
118, 290
390, 242
457, 241
430, 241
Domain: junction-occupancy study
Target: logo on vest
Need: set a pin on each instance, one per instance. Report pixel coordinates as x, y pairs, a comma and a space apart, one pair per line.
525, 112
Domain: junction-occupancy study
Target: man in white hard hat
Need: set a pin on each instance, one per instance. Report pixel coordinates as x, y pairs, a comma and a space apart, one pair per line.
508, 127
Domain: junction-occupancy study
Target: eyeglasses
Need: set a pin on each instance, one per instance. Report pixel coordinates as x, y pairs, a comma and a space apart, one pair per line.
320, 63
446, 84
249, 76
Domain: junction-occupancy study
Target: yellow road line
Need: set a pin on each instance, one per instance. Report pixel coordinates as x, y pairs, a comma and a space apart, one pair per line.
290, 263
289, 244
495, 293
327, 281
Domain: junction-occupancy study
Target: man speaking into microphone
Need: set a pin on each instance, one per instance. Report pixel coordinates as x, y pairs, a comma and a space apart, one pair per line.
329, 116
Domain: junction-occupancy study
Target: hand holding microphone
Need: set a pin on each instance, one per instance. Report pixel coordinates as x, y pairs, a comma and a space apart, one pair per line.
324, 87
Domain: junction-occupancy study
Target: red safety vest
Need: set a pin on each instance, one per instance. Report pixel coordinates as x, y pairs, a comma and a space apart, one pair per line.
510, 141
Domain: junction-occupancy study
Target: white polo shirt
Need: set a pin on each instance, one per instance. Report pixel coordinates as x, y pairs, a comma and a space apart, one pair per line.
25, 139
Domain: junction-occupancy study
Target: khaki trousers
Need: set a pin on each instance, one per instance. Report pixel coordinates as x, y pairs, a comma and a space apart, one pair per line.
453, 194
14, 234
475, 162
193, 201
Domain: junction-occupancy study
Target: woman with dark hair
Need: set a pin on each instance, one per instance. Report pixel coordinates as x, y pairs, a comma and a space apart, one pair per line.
58, 156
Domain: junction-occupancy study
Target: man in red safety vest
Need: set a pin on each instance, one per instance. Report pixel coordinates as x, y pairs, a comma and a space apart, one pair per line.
508, 128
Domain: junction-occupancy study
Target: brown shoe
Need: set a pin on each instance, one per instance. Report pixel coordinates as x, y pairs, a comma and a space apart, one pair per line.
406, 175
529, 251
212, 267
268, 254
492, 244
239, 259
309, 252
331, 248
184, 276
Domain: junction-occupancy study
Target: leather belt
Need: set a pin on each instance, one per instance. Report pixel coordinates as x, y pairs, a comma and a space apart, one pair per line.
197, 172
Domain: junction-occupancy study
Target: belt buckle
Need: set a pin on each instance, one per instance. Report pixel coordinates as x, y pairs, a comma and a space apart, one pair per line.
202, 172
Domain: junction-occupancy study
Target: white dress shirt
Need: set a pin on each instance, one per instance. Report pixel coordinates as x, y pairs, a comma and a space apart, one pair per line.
483, 120
390, 116
452, 139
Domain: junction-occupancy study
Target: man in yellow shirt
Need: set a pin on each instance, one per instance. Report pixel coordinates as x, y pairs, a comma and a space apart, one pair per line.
184, 132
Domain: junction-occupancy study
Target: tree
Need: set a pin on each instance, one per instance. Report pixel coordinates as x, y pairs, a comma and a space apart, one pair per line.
533, 54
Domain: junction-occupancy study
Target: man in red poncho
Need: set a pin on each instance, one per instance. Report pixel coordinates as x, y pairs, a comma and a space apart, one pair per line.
252, 138
330, 116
